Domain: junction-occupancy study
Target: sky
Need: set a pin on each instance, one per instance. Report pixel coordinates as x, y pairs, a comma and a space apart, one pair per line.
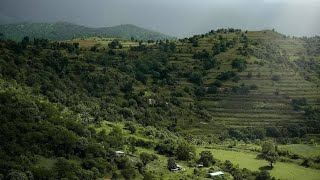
181, 18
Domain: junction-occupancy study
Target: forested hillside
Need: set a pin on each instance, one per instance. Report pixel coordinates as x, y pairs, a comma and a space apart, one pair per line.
67, 106
64, 31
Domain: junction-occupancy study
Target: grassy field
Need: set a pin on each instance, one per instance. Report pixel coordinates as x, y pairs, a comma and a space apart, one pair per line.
304, 150
242, 154
285, 171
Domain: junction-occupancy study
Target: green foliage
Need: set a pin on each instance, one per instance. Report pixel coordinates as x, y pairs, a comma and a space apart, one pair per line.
115, 44
275, 77
313, 119
166, 146
131, 127
226, 75
55, 95
240, 64
206, 158
269, 152
185, 151
298, 103
167, 46
196, 78
171, 163
146, 158
263, 175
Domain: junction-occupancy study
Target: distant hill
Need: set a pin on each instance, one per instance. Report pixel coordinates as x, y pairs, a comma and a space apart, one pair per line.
64, 31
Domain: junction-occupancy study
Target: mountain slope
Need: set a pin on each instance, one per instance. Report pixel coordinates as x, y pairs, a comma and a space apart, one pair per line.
64, 31
66, 107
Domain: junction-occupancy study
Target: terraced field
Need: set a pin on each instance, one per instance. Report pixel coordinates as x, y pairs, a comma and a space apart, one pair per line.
270, 103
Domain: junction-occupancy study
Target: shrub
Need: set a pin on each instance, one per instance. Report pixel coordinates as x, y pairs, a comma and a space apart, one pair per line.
275, 78
240, 64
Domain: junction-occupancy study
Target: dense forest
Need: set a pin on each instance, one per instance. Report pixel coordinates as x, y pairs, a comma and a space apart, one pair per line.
56, 97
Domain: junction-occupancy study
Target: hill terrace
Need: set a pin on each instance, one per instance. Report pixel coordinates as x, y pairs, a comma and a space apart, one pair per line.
219, 99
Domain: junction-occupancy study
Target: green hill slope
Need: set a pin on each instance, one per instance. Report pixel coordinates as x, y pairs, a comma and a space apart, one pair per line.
67, 106
64, 31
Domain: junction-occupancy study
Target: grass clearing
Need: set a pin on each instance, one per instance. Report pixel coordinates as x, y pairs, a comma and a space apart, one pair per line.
281, 170
304, 150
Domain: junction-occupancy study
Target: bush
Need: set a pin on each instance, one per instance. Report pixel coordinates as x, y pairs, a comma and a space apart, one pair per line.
239, 64
226, 75
131, 127
196, 78
298, 103
199, 91
146, 158
275, 78
206, 158
185, 151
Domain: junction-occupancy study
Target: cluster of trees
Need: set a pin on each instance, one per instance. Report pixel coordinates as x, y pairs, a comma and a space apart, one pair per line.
313, 120
312, 45
223, 45
194, 40
243, 89
207, 59
38, 44
140, 47
280, 134
115, 44
167, 46
32, 127
240, 174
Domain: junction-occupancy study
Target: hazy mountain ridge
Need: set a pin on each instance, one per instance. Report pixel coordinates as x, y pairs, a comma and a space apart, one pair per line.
64, 31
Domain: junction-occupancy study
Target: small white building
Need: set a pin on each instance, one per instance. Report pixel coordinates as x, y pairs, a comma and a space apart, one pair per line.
200, 165
219, 173
120, 153
178, 168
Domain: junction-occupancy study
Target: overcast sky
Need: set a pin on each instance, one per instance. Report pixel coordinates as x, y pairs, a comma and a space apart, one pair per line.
174, 17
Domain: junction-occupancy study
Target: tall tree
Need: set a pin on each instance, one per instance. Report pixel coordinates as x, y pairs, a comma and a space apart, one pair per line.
269, 152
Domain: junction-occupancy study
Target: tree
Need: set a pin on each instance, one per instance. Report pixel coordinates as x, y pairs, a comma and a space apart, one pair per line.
199, 91
269, 152
171, 163
115, 138
172, 46
146, 158
185, 151
263, 175
148, 176
131, 127
195, 43
196, 78
167, 146
115, 44
206, 158
16, 175
25, 42
240, 64
128, 173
